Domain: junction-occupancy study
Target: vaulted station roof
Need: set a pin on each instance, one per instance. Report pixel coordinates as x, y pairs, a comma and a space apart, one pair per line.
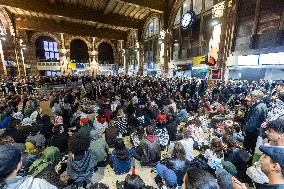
110, 19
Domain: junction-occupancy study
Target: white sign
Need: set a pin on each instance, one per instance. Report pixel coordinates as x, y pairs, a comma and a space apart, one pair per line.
272, 58
249, 60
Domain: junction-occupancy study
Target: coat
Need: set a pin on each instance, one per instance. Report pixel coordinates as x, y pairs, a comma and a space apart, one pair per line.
28, 182
255, 117
151, 151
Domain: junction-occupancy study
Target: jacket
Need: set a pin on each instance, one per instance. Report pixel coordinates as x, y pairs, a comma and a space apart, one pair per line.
269, 186
28, 182
255, 117
81, 168
120, 166
151, 151
100, 149
111, 133
179, 167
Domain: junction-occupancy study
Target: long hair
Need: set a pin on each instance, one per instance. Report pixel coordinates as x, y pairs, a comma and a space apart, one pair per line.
178, 151
79, 144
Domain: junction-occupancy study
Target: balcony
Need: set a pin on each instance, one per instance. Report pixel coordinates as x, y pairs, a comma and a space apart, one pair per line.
48, 65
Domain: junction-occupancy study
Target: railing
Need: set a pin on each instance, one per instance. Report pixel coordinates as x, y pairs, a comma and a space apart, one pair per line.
48, 63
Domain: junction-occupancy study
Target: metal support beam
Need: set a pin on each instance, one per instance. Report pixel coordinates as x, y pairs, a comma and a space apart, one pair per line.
41, 24
157, 5
45, 7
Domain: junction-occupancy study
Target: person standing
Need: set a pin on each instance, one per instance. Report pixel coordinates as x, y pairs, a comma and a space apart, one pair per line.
255, 117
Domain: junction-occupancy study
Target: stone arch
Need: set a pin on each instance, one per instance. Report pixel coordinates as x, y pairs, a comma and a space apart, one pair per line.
174, 12
115, 53
106, 41
88, 43
6, 23
39, 34
154, 15
128, 37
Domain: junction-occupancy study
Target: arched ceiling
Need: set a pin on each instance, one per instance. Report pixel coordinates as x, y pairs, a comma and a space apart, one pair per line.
110, 19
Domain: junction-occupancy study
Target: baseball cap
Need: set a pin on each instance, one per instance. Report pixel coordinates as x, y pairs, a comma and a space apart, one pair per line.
10, 156
167, 174
275, 152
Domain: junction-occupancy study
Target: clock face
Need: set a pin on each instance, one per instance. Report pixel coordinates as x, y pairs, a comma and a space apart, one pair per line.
187, 19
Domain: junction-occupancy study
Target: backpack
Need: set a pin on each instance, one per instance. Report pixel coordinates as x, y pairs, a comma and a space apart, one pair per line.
50, 157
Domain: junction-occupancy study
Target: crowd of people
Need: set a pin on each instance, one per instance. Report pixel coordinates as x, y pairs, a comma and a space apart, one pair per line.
191, 135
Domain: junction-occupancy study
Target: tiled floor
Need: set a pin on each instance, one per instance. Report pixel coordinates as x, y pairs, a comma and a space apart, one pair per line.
107, 176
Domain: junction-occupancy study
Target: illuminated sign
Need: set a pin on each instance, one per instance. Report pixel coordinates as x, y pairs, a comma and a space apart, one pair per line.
272, 59
249, 60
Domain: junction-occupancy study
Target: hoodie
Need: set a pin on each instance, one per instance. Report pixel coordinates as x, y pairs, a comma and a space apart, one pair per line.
28, 182
81, 168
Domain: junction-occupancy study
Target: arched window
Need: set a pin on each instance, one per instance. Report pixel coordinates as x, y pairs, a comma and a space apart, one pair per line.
79, 51
193, 43
151, 40
105, 53
132, 49
47, 49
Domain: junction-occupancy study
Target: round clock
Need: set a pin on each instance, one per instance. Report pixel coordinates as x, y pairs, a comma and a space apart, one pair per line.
187, 20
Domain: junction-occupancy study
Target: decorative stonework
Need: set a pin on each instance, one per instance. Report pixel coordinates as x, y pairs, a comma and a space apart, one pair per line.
154, 15
87, 40
38, 34
6, 22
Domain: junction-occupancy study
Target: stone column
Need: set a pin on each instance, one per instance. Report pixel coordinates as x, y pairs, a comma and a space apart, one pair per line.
2, 59
126, 61
165, 51
140, 59
94, 65
63, 57
20, 57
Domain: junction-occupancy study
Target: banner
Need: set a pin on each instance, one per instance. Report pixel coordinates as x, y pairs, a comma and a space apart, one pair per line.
72, 66
199, 60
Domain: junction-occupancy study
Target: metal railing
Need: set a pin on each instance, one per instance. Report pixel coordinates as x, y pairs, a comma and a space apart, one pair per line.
48, 63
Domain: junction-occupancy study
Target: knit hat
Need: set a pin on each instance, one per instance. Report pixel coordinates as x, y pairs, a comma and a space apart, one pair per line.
275, 152
167, 174
34, 115
18, 115
229, 167
161, 118
84, 121
30, 148
9, 159
58, 120
27, 122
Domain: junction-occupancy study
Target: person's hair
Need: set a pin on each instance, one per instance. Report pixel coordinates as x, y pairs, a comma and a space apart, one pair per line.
13, 123
4, 140
178, 151
57, 128
195, 121
133, 182
150, 130
186, 133
200, 179
277, 125
217, 146
140, 132
79, 144
27, 130
229, 130
119, 144
99, 186
229, 141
